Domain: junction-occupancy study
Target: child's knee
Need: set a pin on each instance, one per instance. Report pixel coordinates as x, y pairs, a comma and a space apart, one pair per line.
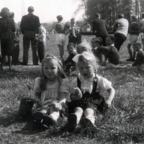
89, 111
79, 109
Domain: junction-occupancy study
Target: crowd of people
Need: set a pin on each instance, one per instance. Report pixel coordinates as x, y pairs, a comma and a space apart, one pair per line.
80, 95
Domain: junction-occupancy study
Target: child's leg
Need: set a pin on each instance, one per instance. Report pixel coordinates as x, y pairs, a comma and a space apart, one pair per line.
130, 52
78, 112
10, 61
61, 50
89, 114
74, 118
55, 115
89, 119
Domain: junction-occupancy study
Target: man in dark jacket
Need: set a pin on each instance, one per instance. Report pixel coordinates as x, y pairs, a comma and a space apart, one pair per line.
29, 27
100, 28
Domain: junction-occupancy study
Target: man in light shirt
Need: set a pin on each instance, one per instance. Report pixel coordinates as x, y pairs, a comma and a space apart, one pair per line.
120, 30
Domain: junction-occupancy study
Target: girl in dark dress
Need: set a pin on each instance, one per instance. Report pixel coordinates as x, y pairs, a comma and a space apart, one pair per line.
7, 29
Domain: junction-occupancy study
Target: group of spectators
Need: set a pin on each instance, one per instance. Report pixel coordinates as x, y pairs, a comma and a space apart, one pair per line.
34, 33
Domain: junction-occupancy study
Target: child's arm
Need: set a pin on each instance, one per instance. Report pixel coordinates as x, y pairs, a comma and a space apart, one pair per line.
57, 105
73, 32
111, 96
77, 94
37, 98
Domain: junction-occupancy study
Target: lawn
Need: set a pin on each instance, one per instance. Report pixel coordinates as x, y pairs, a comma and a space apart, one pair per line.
123, 123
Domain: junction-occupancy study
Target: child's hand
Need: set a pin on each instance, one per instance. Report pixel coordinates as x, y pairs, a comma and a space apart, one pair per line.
107, 104
78, 93
56, 106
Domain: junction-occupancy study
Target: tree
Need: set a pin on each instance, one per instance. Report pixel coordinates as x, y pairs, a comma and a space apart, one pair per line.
107, 8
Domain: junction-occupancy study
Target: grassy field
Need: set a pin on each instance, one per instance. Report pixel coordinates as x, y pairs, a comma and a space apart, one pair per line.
122, 124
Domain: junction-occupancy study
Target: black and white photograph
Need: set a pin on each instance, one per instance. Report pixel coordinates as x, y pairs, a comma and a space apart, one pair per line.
71, 71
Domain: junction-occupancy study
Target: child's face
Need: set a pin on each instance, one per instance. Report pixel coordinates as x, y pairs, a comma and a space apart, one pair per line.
71, 49
85, 69
50, 69
136, 48
108, 41
95, 44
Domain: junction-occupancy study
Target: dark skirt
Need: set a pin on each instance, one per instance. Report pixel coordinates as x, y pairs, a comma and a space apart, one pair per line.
7, 47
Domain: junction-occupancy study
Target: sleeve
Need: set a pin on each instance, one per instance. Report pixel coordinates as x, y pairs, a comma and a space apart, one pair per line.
22, 25
37, 85
12, 25
64, 87
103, 84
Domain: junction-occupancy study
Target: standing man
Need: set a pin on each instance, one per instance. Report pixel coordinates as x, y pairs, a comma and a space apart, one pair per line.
100, 28
29, 27
120, 30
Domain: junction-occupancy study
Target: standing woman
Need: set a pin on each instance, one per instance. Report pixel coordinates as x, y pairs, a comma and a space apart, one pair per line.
74, 36
7, 29
60, 37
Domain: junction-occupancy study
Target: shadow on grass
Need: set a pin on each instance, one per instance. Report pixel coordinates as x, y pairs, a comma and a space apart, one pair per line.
11, 119
21, 73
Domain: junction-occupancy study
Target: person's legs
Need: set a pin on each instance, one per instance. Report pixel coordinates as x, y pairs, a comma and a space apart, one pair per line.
61, 50
41, 51
10, 61
15, 55
130, 52
119, 39
26, 44
34, 52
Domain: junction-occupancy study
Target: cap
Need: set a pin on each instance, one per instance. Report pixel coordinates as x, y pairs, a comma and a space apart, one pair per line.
97, 39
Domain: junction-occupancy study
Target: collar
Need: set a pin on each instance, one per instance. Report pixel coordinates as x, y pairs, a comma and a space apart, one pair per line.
86, 80
112, 45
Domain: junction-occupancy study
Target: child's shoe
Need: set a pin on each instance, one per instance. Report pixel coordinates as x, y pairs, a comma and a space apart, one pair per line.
85, 123
48, 120
72, 122
37, 117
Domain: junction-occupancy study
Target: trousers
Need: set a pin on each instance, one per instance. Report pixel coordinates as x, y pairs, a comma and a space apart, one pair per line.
29, 37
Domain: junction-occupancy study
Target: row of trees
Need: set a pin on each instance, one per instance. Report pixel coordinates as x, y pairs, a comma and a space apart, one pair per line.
110, 8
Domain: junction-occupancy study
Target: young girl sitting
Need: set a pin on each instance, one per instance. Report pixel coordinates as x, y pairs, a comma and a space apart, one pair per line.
41, 38
49, 92
84, 93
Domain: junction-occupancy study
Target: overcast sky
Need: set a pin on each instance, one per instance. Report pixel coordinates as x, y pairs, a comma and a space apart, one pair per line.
47, 10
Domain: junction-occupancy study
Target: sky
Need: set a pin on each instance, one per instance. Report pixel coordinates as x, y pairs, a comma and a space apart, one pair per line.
47, 10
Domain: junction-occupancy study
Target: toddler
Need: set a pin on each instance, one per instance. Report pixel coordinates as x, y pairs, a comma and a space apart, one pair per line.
50, 92
41, 38
85, 93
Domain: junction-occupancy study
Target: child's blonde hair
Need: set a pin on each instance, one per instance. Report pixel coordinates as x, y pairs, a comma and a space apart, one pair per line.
61, 73
42, 28
88, 57
84, 46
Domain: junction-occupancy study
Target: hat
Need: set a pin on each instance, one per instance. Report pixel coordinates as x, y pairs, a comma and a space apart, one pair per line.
97, 39
30, 9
